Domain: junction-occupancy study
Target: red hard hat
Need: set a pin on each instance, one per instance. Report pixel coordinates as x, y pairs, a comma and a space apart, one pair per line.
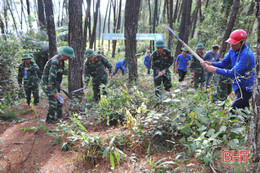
237, 36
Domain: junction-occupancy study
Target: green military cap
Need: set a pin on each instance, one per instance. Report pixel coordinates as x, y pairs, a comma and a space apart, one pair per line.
98, 52
184, 49
200, 46
27, 56
89, 53
159, 43
67, 51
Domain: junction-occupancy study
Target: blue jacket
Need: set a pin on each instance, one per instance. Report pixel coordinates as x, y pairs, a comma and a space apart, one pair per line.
147, 61
243, 68
212, 56
121, 64
183, 61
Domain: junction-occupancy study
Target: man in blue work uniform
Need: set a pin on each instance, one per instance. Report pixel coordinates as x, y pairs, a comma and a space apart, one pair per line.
212, 56
241, 57
182, 64
147, 61
120, 65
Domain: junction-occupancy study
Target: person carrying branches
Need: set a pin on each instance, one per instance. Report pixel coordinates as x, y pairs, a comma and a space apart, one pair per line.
242, 60
28, 74
161, 60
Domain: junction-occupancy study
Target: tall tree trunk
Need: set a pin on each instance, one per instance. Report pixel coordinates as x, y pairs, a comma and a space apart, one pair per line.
114, 28
29, 14
155, 17
89, 19
75, 41
59, 22
11, 11
207, 3
131, 26
2, 27
194, 18
5, 16
230, 26
251, 20
165, 7
170, 18
21, 21
62, 11
85, 28
104, 25
93, 35
180, 11
118, 27
185, 25
41, 16
99, 28
50, 28
256, 94
150, 22
109, 15
175, 11
200, 11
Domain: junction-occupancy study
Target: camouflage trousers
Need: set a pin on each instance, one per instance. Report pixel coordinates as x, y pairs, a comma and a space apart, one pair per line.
165, 79
222, 92
29, 90
97, 86
199, 78
55, 110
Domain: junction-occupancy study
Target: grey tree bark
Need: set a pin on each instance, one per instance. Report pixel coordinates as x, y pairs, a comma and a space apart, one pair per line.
256, 94
131, 26
50, 27
93, 35
76, 41
230, 25
185, 25
41, 16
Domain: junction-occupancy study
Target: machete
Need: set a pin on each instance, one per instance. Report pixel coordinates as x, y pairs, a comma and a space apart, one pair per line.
77, 90
184, 44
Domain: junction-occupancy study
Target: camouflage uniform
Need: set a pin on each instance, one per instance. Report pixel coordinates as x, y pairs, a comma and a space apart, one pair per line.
30, 82
197, 68
51, 80
97, 70
224, 88
159, 63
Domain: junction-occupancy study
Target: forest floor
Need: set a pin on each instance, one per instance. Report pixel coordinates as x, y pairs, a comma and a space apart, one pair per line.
25, 147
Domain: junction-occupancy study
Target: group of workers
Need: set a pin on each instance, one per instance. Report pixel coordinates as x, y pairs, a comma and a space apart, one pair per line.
238, 65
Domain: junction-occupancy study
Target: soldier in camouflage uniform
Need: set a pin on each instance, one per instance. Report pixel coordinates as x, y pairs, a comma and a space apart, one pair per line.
224, 87
95, 67
161, 60
51, 82
28, 71
197, 70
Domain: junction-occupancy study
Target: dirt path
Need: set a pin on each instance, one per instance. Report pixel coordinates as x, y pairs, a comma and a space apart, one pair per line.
26, 147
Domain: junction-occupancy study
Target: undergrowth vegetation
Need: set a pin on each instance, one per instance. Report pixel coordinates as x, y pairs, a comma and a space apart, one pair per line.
185, 124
